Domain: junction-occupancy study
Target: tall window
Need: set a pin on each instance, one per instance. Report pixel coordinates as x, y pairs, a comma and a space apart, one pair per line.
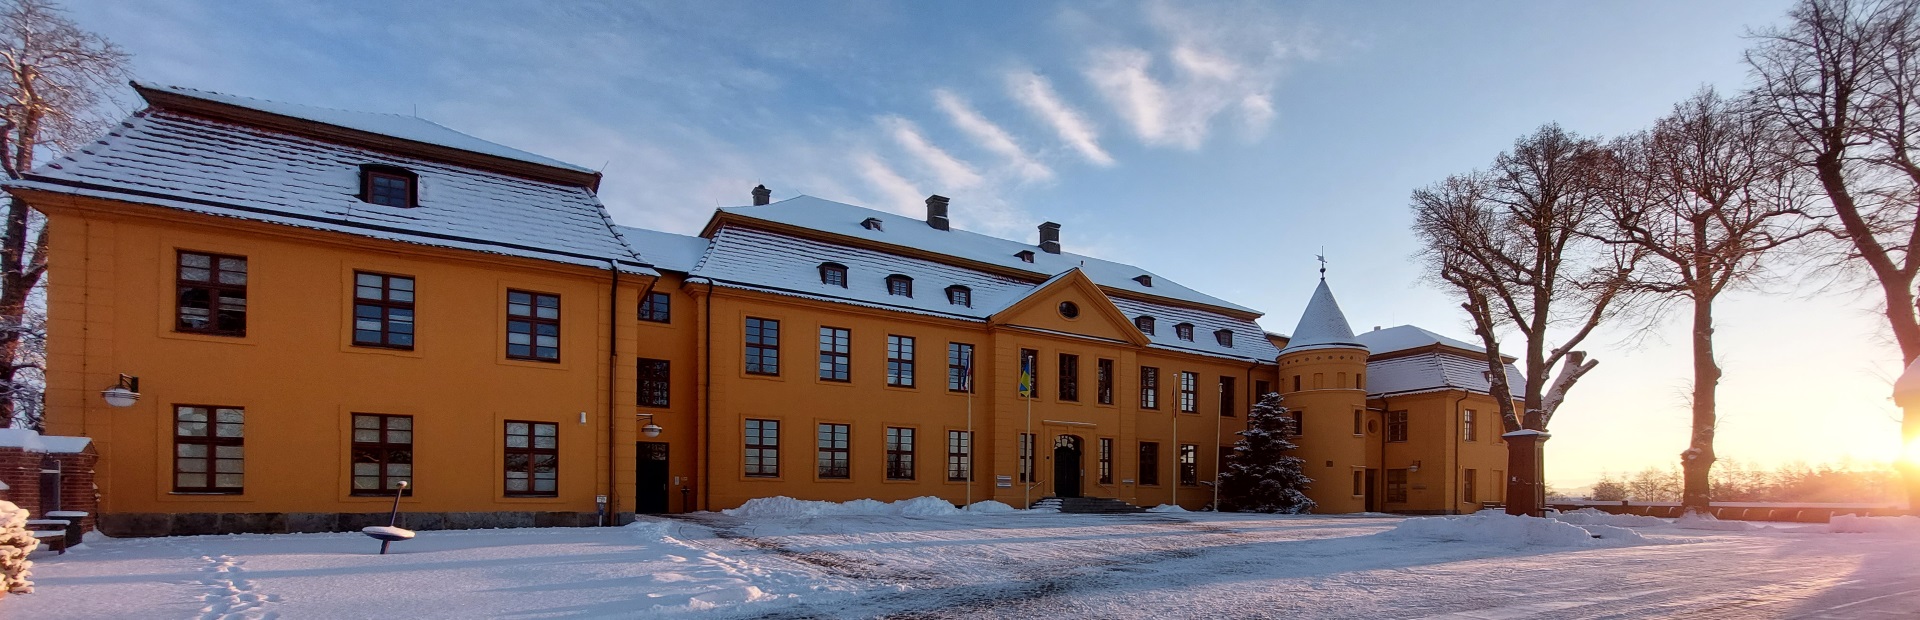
1396, 486
959, 455
1359, 422
763, 346
763, 448
533, 326
1359, 482
835, 351
1069, 377
657, 307
1468, 432
1026, 457
533, 459
382, 453
1226, 396
1296, 383
834, 446
1149, 387
1105, 370
959, 367
1468, 493
899, 285
900, 361
1299, 421
899, 453
1189, 465
1189, 392
1149, 463
1106, 460
833, 274
1396, 426
212, 294
382, 310
655, 383
1261, 389
208, 449
1029, 379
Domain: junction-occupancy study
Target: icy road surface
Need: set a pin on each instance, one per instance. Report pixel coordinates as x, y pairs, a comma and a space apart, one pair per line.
1000, 565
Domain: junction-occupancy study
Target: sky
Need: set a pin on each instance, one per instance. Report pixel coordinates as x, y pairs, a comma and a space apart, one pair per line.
1223, 145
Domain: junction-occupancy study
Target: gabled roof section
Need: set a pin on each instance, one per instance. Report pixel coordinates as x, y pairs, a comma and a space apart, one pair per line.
1385, 342
961, 246
1433, 371
664, 250
1097, 303
1323, 325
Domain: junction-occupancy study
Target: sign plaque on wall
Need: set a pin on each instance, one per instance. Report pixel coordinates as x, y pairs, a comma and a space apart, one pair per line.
1004, 482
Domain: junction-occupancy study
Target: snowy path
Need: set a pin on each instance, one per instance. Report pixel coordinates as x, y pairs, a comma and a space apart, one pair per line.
1009, 565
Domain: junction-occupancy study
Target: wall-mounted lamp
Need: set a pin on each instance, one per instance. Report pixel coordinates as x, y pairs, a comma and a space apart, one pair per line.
1414, 467
124, 393
651, 429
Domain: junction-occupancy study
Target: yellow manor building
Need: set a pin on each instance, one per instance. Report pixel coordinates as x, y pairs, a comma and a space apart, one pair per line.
314, 306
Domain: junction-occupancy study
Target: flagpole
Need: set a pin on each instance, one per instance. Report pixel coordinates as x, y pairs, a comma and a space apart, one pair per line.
969, 383
1175, 487
1033, 452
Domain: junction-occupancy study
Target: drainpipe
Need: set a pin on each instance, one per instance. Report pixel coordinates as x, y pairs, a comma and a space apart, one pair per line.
613, 368
706, 398
1454, 497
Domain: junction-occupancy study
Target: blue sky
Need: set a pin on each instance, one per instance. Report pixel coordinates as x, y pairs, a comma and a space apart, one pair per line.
1220, 144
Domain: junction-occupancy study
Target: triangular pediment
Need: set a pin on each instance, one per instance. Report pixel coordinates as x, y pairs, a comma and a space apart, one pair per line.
1096, 316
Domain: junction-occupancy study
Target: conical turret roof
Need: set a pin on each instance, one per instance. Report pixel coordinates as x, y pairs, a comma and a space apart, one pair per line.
1323, 325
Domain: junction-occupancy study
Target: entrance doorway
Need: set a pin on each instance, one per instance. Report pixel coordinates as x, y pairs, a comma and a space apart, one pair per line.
651, 495
49, 484
1371, 506
1066, 466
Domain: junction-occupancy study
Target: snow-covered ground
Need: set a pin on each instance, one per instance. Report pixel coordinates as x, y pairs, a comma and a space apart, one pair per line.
874, 561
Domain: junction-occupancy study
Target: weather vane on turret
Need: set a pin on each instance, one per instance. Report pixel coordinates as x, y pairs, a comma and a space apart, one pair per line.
1322, 256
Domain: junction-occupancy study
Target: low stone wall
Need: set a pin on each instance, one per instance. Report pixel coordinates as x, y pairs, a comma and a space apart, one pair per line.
1790, 513
145, 524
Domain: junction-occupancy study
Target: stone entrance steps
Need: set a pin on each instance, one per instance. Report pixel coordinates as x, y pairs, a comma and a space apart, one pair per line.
1087, 505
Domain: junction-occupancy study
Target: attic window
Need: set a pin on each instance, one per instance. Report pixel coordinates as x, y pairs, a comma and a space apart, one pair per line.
1025, 255
1183, 331
1225, 337
960, 296
390, 186
833, 274
872, 223
899, 285
1144, 280
1145, 323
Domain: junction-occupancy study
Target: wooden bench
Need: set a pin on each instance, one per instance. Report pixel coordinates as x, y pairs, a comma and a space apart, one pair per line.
52, 532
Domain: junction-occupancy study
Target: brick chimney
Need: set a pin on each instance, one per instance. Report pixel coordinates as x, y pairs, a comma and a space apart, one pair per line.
1050, 238
937, 212
762, 195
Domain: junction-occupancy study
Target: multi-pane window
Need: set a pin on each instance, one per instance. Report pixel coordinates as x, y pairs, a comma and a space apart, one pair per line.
899, 453
1149, 463
1029, 384
1183, 331
1149, 387
1468, 432
533, 326
1145, 323
1224, 337
212, 294
1069, 377
1359, 422
1396, 486
1106, 460
1105, 381
382, 310
533, 459
1189, 392
900, 361
1189, 465
657, 307
763, 346
1299, 421
1226, 396
1396, 426
1468, 493
836, 350
959, 367
833, 274
391, 190
1026, 457
763, 448
1261, 389
959, 455
899, 285
208, 449
655, 383
960, 296
382, 453
834, 448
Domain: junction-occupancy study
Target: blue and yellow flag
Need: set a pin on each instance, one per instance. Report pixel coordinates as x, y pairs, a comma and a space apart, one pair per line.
1026, 376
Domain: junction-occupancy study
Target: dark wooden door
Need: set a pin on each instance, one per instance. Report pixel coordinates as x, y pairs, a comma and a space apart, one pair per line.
49, 485
1066, 467
651, 496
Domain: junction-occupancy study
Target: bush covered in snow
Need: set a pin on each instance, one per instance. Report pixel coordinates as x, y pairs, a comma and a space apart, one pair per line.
1512, 530
1850, 524
1590, 516
783, 506
15, 543
1166, 508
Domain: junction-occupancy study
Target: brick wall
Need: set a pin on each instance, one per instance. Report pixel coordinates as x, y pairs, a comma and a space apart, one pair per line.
20, 470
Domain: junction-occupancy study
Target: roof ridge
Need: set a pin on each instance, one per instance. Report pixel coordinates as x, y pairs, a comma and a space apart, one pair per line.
174, 88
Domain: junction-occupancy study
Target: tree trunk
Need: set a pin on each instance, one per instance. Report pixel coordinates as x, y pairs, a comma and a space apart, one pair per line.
1526, 468
1697, 462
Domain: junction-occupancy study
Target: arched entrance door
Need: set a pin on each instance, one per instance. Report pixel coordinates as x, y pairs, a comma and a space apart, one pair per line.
1066, 466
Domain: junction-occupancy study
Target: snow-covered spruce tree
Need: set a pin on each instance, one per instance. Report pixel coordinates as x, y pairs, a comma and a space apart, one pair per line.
1261, 476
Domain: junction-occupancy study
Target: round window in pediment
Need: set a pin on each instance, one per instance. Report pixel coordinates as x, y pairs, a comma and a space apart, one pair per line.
1069, 309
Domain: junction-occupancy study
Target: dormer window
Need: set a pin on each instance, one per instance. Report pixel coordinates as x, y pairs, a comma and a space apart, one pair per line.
1183, 331
833, 274
872, 223
390, 186
899, 285
1025, 255
960, 296
1144, 280
1224, 337
1145, 323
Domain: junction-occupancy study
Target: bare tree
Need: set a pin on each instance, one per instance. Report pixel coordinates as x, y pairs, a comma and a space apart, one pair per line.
1510, 241
57, 79
1705, 197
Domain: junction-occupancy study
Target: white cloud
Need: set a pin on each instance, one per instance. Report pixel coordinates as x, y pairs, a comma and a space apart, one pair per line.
952, 173
897, 194
1121, 75
990, 136
1038, 95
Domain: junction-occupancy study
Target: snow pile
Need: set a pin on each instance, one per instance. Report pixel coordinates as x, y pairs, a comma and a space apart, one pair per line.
1851, 524
1166, 508
927, 506
989, 507
15, 543
1589, 516
787, 507
1511, 530
1703, 521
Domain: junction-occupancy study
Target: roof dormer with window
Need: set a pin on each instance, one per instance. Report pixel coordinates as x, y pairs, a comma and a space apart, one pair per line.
899, 285
1145, 323
390, 186
833, 274
960, 296
1224, 337
1183, 331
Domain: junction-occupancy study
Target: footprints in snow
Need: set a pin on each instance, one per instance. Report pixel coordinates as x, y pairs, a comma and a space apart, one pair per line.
229, 595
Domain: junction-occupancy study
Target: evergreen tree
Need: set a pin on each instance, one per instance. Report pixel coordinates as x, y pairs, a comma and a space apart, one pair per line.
1261, 476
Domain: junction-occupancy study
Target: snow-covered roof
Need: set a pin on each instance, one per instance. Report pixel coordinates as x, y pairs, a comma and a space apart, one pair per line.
27, 439
1433, 371
665, 250
411, 128
1322, 325
899, 230
191, 163
1403, 337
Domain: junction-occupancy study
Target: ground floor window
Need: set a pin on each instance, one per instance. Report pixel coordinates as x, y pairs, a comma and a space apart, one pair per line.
899, 453
208, 449
1359, 483
763, 448
959, 455
1189, 465
382, 453
1149, 463
1026, 457
1468, 493
1396, 486
834, 447
533, 459
1106, 460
